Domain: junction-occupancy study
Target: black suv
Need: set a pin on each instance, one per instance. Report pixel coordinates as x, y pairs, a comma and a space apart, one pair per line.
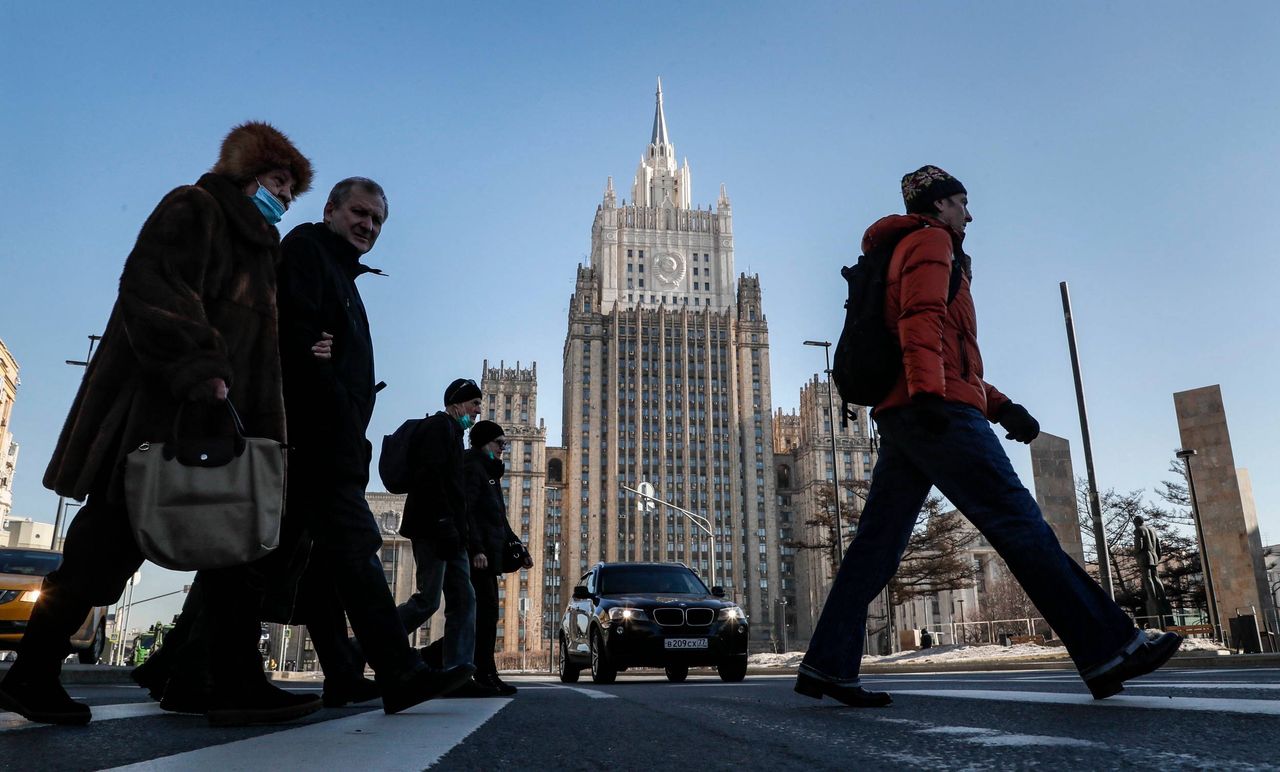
650, 615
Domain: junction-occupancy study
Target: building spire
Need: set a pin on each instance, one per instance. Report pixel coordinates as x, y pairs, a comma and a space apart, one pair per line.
659, 120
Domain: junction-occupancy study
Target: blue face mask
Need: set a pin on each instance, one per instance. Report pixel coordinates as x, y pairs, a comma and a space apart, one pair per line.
489, 453
268, 204
466, 421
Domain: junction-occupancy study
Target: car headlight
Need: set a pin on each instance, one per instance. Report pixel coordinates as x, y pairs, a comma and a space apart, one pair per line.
30, 596
733, 614
627, 614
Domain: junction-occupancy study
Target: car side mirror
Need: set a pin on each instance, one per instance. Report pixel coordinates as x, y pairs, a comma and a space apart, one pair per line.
717, 591
580, 593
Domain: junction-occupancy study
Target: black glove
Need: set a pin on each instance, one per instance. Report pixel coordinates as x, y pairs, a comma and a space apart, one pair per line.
931, 412
1018, 423
447, 540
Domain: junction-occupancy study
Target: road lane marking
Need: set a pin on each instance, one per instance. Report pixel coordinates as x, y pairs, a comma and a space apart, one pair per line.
12, 721
592, 693
411, 740
1211, 704
993, 738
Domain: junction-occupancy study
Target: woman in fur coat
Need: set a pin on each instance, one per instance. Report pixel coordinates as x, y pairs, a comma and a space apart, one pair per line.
194, 322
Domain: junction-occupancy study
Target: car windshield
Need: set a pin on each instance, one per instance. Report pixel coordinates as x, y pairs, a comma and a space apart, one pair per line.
29, 562
146, 641
627, 580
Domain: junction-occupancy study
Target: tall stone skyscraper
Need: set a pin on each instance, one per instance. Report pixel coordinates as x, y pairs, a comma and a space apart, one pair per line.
666, 380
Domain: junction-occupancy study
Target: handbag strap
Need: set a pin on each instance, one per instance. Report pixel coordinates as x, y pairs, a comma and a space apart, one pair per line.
236, 423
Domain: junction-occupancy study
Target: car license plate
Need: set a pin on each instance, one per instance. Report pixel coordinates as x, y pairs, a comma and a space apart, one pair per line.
686, 643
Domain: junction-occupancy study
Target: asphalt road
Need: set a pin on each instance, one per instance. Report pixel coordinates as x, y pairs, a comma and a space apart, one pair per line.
1174, 719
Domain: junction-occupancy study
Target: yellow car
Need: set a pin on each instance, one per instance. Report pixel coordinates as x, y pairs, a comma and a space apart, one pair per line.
21, 573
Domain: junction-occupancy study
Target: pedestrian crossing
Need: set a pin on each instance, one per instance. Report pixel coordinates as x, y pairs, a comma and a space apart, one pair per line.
416, 739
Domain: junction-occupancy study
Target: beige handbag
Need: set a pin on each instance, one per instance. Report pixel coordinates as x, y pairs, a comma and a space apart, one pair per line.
207, 502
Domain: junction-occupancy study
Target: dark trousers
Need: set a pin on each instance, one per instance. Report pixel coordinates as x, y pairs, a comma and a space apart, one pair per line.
485, 583
346, 541
968, 464
99, 556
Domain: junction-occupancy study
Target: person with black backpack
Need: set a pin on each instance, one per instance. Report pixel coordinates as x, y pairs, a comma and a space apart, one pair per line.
934, 421
435, 519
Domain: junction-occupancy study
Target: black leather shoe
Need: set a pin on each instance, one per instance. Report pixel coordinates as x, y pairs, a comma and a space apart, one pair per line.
363, 690
422, 684
853, 696
151, 679
182, 699
261, 704
1149, 656
473, 689
43, 701
505, 689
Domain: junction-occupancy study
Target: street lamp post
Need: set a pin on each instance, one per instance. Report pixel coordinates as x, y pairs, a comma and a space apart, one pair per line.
835, 463
645, 492
1211, 597
783, 602
962, 627
62, 500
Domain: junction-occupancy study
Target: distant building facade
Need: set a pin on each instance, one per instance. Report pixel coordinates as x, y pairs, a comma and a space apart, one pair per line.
8, 445
802, 442
666, 381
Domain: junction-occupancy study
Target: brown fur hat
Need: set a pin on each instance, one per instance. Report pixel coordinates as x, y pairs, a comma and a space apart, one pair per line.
256, 147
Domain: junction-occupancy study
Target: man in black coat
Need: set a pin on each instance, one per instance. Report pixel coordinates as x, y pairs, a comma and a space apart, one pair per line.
436, 523
491, 535
329, 388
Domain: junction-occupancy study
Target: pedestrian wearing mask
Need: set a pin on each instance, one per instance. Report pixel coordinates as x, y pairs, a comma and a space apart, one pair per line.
195, 321
491, 534
436, 524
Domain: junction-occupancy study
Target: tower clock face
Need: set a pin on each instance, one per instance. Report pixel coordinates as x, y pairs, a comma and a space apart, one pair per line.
669, 268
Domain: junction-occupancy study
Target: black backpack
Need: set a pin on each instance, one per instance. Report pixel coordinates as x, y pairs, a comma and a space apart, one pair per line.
868, 359
394, 466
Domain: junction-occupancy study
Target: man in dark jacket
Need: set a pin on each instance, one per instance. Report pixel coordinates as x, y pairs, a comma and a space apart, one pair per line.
935, 430
436, 523
327, 358
491, 535
194, 323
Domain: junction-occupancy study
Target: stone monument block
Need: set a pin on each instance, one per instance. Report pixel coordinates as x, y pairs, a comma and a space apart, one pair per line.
1055, 486
1233, 546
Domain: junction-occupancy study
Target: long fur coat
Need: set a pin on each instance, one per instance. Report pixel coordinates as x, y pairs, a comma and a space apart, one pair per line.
197, 300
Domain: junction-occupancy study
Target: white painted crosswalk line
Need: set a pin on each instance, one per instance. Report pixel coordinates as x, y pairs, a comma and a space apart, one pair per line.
594, 694
370, 742
1211, 704
12, 721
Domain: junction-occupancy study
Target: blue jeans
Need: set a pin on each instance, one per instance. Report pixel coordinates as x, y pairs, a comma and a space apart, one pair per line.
968, 464
453, 576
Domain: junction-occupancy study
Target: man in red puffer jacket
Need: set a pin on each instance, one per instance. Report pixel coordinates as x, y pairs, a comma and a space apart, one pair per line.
935, 430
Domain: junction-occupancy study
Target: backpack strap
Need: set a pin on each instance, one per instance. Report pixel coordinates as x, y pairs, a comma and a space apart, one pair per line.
956, 276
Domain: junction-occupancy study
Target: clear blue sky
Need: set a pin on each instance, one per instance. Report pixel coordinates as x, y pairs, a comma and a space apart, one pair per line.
1128, 148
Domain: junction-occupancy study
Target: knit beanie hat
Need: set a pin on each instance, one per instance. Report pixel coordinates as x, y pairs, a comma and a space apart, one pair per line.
484, 433
926, 185
461, 390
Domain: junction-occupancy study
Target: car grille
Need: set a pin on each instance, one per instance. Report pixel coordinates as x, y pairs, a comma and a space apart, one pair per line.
13, 627
668, 617
699, 616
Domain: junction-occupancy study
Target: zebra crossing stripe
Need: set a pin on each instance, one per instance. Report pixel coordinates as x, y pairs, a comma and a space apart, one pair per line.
370, 742
10, 722
1210, 704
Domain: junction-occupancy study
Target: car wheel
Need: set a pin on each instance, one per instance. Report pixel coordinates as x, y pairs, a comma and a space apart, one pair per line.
677, 673
91, 655
568, 670
602, 670
733, 669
